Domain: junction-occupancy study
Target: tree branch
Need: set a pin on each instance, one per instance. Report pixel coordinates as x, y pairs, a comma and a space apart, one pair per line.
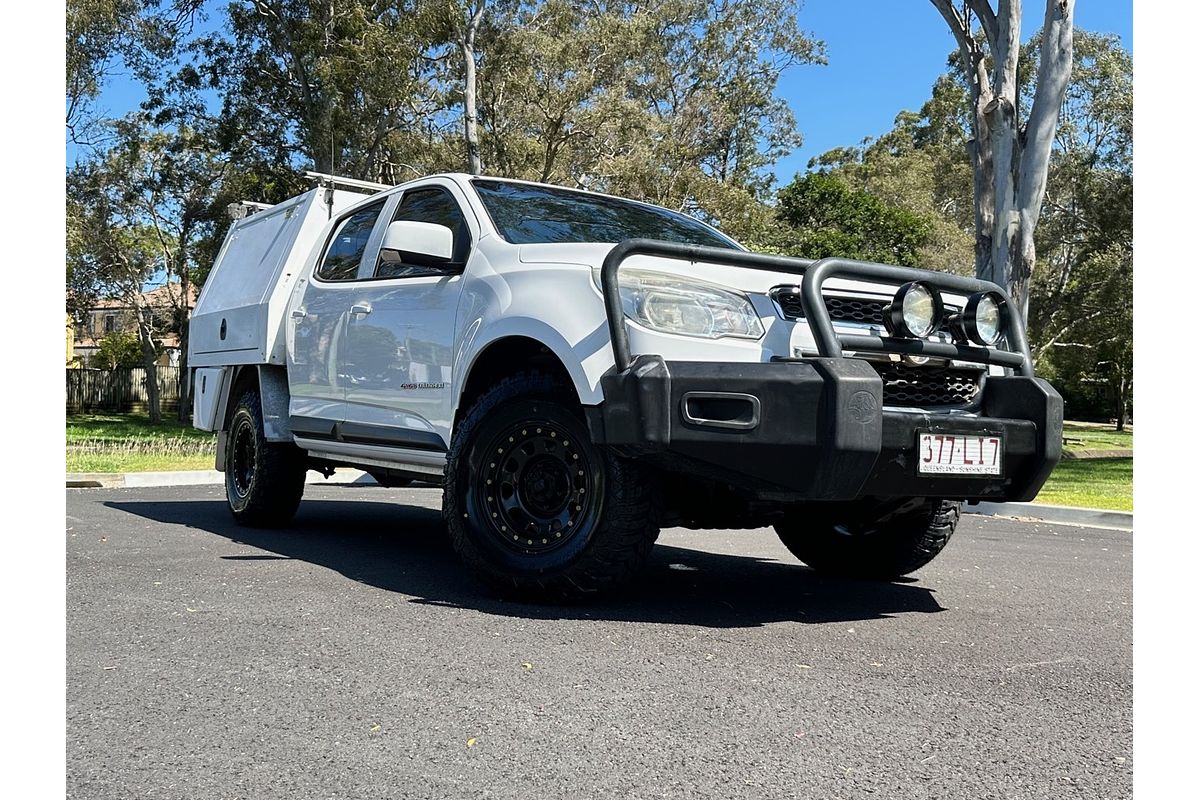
987, 19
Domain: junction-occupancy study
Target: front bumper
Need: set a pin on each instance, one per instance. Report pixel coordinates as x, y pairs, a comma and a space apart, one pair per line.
816, 429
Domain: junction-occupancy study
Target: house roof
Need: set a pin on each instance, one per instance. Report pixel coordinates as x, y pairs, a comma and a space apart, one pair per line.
163, 296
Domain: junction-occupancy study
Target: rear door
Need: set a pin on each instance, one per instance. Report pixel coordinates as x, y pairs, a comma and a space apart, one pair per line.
317, 324
401, 337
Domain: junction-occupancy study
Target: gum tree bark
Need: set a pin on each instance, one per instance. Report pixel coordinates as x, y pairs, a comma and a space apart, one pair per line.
1009, 158
466, 43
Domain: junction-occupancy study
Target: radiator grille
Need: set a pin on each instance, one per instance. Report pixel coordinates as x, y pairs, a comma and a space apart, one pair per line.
912, 385
841, 308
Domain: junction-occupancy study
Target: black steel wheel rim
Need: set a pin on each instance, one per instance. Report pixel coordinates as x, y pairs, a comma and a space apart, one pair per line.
539, 487
242, 468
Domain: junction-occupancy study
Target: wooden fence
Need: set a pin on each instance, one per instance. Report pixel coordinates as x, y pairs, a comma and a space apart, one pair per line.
120, 390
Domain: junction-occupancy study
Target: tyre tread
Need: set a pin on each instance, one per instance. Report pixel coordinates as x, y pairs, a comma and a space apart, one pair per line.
279, 472
617, 551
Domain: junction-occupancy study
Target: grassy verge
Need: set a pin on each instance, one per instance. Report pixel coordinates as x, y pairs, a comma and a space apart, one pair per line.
1078, 436
129, 443
1091, 483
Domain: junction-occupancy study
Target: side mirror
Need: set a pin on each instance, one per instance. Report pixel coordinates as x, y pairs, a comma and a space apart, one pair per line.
424, 243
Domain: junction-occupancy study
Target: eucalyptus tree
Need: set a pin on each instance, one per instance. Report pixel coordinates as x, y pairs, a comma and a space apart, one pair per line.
348, 87
1009, 151
104, 35
670, 101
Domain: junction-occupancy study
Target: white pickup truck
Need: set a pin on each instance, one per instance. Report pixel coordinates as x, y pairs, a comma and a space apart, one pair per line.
578, 370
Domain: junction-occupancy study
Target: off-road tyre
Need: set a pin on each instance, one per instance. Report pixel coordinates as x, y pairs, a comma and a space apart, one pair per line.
518, 452
873, 549
264, 481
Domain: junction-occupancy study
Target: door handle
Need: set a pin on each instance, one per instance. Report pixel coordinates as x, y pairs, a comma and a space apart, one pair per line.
360, 308
299, 313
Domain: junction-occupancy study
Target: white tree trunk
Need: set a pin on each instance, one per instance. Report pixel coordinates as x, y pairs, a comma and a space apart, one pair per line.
1054, 74
470, 112
1010, 163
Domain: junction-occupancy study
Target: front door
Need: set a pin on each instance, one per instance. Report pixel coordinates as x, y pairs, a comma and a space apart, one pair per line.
400, 343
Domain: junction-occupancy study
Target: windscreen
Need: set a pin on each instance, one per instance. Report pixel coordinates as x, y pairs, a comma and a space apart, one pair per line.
527, 214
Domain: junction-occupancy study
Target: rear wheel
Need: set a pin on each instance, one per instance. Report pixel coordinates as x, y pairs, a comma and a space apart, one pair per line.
533, 507
872, 545
264, 480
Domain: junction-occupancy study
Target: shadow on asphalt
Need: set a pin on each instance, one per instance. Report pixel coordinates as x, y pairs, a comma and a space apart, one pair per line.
404, 549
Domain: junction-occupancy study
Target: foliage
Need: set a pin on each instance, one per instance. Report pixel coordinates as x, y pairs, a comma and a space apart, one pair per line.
919, 167
131, 214
141, 34
348, 87
119, 349
828, 218
682, 113
1093, 368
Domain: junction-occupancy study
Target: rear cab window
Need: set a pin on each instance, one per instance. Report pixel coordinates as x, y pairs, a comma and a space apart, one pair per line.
345, 250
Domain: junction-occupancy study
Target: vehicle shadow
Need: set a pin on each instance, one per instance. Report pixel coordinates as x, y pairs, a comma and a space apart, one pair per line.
404, 549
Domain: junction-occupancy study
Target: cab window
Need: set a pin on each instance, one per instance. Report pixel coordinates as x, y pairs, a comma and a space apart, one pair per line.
349, 241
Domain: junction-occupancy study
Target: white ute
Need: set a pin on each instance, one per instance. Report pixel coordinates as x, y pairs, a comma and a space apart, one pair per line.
578, 370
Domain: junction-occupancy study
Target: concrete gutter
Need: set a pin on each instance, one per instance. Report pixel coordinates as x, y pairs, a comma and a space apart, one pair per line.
1072, 454
1062, 515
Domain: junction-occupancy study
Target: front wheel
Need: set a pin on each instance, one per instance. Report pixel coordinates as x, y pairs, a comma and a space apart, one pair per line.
264, 480
534, 508
872, 545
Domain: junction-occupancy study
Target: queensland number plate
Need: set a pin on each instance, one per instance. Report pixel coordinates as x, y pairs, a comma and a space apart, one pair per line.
955, 454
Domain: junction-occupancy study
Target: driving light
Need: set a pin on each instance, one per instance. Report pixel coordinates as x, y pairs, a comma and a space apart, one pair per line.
916, 311
674, 304
983, 317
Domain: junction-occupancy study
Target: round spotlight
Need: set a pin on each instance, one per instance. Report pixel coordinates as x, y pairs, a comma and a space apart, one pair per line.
983, 318
916, 310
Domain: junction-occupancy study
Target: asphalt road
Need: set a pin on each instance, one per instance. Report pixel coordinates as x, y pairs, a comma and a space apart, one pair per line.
350, 656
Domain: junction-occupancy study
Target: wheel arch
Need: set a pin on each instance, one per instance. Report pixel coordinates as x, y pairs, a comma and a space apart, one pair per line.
271, 383
507, 355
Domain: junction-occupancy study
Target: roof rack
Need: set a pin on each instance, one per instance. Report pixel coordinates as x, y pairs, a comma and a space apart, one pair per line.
324, 179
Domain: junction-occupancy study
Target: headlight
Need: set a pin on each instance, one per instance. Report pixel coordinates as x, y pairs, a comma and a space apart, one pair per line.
983, 318
916, 311
674, 304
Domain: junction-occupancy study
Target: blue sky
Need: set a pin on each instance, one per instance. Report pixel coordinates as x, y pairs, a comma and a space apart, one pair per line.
884, 56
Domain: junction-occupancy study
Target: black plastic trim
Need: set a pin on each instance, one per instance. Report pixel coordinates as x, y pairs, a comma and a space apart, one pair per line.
388, 436
313, 427
362, 433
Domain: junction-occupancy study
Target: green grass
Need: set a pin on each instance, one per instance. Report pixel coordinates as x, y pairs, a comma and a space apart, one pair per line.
1077, 436
129, 443
1091, 483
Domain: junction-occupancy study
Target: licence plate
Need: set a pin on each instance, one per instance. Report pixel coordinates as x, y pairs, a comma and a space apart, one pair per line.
956, 454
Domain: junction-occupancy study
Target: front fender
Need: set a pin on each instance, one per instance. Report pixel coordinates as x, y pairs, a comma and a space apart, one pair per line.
556, 306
